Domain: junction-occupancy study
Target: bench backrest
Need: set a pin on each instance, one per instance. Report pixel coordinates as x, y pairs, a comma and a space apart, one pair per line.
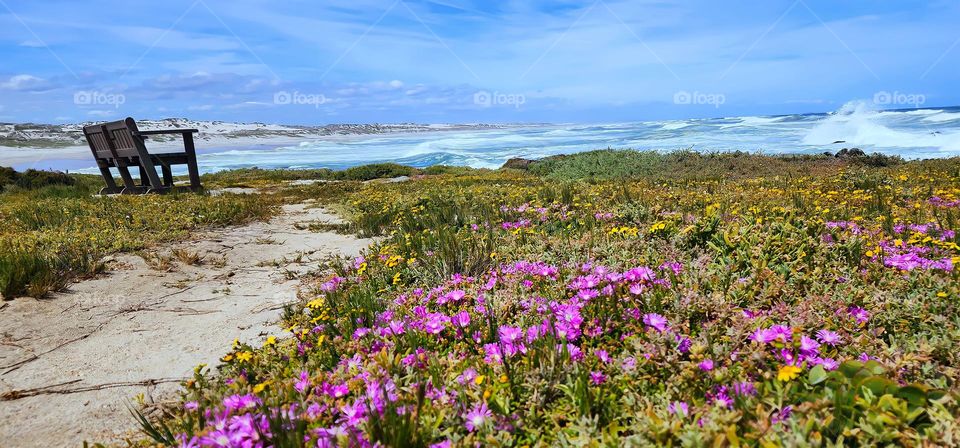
113, 139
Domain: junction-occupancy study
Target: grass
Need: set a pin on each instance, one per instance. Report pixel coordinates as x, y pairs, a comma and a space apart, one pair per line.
52, 233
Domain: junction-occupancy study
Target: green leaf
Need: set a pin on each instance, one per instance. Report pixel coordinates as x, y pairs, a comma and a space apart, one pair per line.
914, 394
849, 369
875, 367
817, 375
878, 385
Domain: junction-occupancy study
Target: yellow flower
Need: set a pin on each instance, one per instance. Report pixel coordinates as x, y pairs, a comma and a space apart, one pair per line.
504, 379
260, 387
941, 294
244, 356
272, 340
788, 373
362, 268
479, 380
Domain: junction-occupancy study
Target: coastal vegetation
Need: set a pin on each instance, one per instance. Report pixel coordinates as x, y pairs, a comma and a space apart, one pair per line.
611, 298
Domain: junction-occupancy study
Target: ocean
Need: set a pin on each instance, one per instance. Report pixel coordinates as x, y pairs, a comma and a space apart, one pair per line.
912, 134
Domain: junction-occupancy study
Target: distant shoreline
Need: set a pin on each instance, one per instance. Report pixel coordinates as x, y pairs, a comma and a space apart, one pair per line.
33, 147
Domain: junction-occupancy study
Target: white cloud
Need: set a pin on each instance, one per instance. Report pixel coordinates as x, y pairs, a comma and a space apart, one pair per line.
25, 83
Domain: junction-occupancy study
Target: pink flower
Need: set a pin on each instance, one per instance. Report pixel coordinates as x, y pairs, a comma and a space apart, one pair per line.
829, 337
434, 323
655, 321
706, 365
303, 383
602, 355
597, 378
859, 314
679, 408
477, 416
461, 319
509, 335
353, 415
237, 402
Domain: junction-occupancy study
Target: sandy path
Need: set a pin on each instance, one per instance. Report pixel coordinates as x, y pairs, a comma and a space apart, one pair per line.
139, 324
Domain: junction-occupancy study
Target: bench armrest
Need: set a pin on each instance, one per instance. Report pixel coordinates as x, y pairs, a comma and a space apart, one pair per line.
169, 131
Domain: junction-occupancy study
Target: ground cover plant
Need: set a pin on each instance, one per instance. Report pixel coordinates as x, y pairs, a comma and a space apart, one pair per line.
53, 227
800, 302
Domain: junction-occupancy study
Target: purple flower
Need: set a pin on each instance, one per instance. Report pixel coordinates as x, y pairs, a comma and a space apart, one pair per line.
238, 402
452, 296
706, 365
353, 415
576, 354
683, 343
597, 378
722, 399
477, 416
744, 389
655, 321
809, 346
303, 383
602, 355
336, 390
568, 321
859, 314
828, 337
467, 376
461, 319
191, 405
492, 354
829, 363
509, 335
776, 333
639, 274
679, 408
781, 415
444, 444
434, 323
192, 442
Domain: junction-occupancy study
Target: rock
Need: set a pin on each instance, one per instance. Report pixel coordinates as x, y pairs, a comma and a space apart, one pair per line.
850, 152
518, 163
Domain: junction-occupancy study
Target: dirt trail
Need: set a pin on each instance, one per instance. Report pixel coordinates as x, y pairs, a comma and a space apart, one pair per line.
81, 355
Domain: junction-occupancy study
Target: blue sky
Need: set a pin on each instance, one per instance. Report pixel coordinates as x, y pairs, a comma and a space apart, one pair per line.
312, 62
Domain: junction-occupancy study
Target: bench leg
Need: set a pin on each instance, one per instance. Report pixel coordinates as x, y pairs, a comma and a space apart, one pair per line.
128, 182
111, 187
192, 169
167, 175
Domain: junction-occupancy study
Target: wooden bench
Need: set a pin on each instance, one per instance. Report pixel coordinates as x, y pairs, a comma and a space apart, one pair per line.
121, 145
